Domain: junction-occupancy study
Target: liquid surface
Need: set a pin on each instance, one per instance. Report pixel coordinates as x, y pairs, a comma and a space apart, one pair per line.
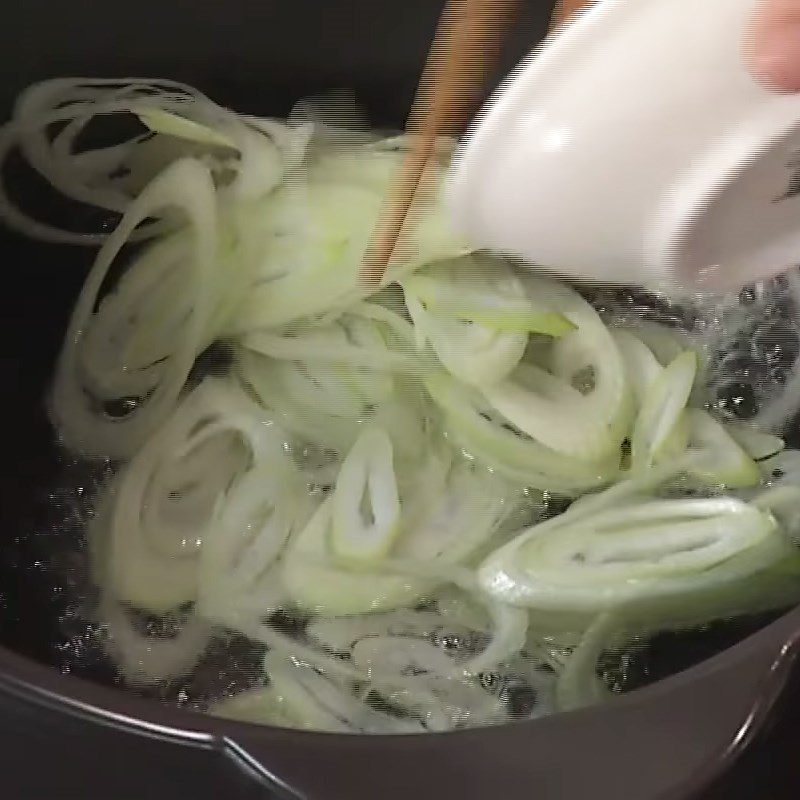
57, 583
463, 500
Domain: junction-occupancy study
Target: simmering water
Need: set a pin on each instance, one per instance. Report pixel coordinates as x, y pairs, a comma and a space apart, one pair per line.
751, 349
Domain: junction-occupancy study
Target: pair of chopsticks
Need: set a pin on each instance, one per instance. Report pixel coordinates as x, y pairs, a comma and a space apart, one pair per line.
465, 48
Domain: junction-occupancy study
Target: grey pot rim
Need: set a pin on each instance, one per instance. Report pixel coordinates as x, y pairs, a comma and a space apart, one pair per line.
700, 719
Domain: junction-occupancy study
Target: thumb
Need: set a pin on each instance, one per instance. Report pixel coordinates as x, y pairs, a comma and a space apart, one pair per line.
772, 49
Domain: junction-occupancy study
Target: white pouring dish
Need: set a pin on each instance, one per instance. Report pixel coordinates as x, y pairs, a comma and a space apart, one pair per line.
635, 147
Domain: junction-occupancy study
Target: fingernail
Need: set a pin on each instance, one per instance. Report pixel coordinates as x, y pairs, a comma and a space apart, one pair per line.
775, 57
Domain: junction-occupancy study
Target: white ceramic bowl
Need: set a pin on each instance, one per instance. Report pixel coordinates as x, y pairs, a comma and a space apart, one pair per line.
636, 147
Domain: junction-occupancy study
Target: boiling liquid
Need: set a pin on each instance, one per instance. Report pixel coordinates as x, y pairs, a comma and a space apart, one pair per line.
751, 347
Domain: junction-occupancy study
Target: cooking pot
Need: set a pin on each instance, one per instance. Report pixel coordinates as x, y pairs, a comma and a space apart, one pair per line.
69, 735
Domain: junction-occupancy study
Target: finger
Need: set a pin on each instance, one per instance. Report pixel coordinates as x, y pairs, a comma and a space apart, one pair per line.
772, 48
564, 9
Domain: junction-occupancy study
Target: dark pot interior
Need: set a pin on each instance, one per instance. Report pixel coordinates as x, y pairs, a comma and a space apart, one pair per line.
260, 56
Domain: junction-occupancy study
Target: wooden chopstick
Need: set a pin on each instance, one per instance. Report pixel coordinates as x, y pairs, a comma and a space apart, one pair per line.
564, 10
464, 50
466, 43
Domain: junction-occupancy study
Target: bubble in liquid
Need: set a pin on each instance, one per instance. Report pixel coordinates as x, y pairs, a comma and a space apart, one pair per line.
118, 409
776, 344
519, 696
737, 400
738, 366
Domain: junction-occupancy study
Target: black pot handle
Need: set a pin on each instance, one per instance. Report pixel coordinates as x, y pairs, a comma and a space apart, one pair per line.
666, 741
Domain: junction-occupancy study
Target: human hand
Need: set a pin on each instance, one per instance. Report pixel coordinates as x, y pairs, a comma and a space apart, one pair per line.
773, 42
773, 45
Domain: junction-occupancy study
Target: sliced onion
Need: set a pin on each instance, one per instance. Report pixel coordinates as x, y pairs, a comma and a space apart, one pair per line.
146, 660
318, 703
720, 461
243, 541
756, 444
579, 685
425, 554
509, 631
641, 365
554, 413
365, 455
165, 497
160, 121
86, 176
340, 634
493, 441
647, 549
86, 429
334, 223
485, 291
366, 506
474, 353
317, 584
262, 705
660, 430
